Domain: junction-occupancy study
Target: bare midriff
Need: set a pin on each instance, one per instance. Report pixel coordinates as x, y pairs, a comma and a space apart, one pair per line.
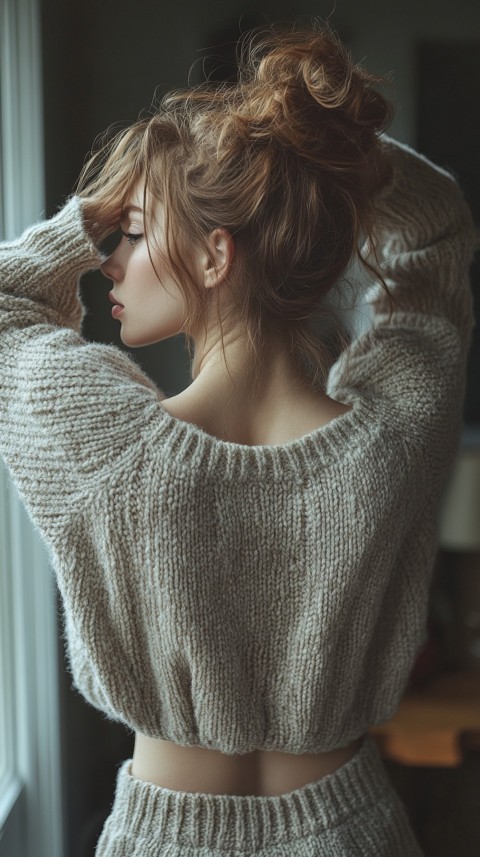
261, 772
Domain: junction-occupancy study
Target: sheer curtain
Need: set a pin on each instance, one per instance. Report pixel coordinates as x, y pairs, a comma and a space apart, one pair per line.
30, 790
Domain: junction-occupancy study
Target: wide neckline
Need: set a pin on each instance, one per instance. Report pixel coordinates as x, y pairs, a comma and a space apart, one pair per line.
297, 441
189, 445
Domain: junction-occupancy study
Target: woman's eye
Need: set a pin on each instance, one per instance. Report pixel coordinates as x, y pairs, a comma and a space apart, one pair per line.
131, 237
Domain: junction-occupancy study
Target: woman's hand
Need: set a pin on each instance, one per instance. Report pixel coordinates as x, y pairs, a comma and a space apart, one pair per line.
101, 217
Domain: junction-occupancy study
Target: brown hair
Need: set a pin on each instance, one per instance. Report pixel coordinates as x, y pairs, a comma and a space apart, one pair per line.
279, 160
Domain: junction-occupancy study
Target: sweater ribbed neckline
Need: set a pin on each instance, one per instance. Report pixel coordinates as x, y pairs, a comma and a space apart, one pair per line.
188, 445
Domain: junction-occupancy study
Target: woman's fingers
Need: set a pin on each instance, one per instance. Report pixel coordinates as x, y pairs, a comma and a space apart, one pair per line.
101, 217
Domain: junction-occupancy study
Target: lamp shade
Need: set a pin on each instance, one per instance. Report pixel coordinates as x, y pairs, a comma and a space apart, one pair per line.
459, 520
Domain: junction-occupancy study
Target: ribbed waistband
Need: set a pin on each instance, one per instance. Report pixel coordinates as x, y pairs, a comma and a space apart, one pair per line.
244, 821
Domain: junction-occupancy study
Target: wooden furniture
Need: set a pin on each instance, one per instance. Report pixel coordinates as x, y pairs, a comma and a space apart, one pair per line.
436, 724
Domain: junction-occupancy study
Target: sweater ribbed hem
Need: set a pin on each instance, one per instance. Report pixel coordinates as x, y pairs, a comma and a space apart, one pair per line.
146, 813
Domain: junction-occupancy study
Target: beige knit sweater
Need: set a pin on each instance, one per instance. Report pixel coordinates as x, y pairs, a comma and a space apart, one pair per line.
230, 596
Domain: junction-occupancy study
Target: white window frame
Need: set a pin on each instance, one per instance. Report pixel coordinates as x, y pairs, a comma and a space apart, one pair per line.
31, 816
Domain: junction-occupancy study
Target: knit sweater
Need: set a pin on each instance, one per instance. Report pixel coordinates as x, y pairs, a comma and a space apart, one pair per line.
230, 596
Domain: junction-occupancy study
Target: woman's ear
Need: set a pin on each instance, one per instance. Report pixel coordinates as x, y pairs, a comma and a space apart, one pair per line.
222, 250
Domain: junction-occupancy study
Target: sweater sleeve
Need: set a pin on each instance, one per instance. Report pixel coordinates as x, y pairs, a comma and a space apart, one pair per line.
414, 358
70, 411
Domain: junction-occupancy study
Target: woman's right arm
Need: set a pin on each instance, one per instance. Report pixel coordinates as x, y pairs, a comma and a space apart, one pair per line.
414, 358
426, 240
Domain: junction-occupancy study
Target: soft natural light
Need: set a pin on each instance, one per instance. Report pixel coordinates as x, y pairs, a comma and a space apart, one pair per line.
4, 636
30, 789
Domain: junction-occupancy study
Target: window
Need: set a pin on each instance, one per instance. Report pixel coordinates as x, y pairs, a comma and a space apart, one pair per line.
30, 806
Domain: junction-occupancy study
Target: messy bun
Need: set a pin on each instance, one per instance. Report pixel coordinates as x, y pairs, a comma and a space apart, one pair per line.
303, 90
280, 160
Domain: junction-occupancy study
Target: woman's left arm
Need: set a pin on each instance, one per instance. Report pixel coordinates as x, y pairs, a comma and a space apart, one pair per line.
39, 272
69, 410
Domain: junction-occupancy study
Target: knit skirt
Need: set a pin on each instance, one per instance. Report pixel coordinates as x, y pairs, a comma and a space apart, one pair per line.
353, 812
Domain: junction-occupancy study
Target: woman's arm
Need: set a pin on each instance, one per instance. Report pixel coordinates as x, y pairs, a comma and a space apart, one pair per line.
40, 270
414, 359
69, 410
426, 239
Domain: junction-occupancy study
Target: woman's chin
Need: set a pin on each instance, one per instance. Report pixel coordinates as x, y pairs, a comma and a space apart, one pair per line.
137, 341
129, 341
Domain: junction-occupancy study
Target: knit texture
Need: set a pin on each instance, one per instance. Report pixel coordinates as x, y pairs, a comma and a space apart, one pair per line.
242, 597
353, 812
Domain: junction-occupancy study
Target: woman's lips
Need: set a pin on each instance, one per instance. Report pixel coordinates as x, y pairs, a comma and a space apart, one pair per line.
118, 308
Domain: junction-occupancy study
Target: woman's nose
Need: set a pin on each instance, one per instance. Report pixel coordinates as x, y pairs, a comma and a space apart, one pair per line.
111, 268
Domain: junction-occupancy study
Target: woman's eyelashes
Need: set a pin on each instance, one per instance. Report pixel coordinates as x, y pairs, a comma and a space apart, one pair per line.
132, 237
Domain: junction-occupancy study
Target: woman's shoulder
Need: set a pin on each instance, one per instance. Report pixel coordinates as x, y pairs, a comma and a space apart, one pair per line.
288, 423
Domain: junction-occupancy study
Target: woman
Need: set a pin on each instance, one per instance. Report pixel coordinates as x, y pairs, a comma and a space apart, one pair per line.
244, 566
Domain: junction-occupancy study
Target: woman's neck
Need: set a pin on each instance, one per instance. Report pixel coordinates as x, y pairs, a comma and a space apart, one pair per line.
281, 405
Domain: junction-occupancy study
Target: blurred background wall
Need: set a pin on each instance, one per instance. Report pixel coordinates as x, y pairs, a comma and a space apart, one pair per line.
103, 62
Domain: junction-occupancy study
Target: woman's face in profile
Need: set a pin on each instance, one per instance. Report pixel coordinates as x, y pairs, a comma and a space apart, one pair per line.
147, 301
